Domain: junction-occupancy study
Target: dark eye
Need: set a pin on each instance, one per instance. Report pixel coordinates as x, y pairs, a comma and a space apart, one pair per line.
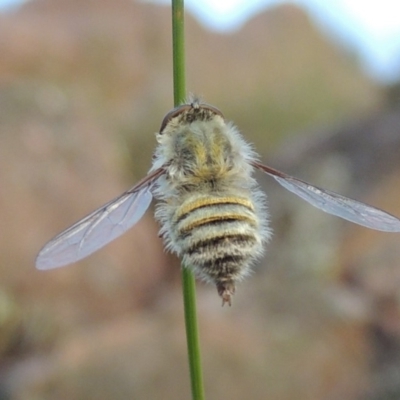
191, 110
172, 114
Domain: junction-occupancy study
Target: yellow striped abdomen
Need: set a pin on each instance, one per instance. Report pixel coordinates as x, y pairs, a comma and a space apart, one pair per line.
218, 236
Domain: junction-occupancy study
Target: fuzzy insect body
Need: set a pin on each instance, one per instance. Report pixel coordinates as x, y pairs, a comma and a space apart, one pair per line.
212, 213
211, 210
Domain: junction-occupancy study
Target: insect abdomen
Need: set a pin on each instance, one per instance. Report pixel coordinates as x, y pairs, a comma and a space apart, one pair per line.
218, 237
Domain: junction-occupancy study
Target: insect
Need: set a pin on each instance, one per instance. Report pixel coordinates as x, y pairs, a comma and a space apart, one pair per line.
212, 213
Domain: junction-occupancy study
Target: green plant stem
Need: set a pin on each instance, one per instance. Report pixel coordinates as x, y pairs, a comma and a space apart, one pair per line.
188, 280
192, 334
178, 51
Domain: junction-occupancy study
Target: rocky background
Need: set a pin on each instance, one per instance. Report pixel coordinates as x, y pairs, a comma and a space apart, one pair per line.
83, 87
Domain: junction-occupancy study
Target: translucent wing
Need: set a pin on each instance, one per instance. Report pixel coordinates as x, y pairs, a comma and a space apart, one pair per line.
334, 203
98, 228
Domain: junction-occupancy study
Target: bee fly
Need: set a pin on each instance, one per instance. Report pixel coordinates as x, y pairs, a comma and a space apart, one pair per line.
211, 211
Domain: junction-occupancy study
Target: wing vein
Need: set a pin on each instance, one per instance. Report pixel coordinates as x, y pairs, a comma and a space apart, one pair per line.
100, 227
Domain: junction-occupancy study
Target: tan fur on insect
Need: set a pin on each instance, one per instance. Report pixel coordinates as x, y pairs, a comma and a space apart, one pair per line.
212, 213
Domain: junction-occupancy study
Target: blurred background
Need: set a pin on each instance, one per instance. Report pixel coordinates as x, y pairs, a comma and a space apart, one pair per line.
83, 87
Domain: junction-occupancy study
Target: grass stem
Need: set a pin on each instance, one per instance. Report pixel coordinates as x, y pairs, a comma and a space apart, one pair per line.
188, 280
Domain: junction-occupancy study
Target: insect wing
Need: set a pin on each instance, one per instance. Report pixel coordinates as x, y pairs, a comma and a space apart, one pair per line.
334, 203
98, 228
